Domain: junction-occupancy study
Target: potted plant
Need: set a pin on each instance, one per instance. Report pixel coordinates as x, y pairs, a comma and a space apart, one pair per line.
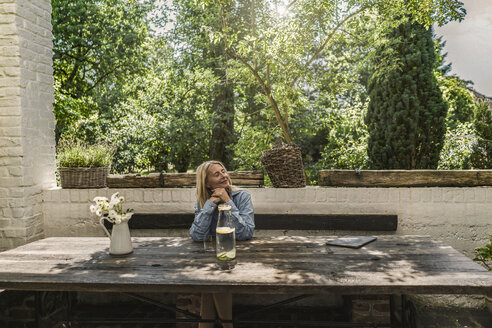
82, 165
484, 256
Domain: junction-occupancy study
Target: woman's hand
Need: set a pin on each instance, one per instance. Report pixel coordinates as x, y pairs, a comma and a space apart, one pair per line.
220, 195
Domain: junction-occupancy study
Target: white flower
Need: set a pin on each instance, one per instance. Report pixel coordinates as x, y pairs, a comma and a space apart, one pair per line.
112, 214
113, 203
113, 208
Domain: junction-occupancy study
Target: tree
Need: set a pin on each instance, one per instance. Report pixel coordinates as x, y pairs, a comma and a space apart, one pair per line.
481, 157
98, 46
197, 52
406, 113
278, 41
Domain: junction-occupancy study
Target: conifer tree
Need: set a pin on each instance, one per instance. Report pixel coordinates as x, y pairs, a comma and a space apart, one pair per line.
481, 156
406, 113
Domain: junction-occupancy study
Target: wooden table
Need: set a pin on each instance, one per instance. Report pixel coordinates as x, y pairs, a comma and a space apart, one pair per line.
305, 265
297, 265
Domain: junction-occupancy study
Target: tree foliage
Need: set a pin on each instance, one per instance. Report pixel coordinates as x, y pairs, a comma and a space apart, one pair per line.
279, 40
98, 46
224, 78
406, 114
481, 157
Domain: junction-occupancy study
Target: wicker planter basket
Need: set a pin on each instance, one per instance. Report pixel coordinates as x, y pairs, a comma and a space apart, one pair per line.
283, 164
83, 177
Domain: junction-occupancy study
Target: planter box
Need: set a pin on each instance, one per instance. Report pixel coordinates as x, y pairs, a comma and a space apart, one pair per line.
405, 178
83, 177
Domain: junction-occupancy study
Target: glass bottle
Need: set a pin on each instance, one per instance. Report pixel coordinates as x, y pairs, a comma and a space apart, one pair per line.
225, 234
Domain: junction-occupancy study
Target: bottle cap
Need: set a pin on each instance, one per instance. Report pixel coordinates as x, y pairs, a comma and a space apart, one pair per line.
224, 207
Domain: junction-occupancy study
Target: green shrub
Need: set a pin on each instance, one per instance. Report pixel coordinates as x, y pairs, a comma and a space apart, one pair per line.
78, 154
484, 254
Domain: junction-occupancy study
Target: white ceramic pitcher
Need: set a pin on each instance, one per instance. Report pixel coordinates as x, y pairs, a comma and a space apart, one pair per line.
120, 240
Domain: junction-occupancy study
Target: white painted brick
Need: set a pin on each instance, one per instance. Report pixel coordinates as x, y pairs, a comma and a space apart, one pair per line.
448, 195
358, 196
11, 71
9, 102
11, 161
321, 195
15, 171
47, 196
9, 91
148, 196
8, 29
377, 195
342, 194
309, 195
404, 195
157, 196
480, 194
10, 181
5, 223
332, 194
468, 196
393, 196
10, 142
9, 51
138, 195
10, 82
74, 195
11, 132
7, 19
185, 195
415, 194
15, 233
64, 195
19, 212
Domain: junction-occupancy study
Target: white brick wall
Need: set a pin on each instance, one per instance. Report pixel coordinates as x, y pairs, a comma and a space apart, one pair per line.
27, 157
458, 216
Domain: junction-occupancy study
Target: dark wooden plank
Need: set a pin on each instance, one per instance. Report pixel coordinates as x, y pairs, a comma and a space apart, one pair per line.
353, 222
357, 222
405, 178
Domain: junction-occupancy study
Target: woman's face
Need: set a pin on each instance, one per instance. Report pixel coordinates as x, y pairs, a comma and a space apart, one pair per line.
217, 177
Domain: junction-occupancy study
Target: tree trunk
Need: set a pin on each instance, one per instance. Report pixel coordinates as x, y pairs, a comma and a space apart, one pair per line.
223, 109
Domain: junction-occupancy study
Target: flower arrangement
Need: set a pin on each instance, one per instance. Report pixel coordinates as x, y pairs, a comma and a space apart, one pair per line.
111, 209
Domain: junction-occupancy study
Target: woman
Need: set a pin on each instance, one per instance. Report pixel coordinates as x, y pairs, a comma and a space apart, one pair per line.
213, 187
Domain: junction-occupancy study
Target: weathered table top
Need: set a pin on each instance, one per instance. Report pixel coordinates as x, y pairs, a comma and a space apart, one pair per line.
305, 265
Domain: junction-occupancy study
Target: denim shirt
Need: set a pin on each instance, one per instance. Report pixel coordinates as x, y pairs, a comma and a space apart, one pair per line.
242, 214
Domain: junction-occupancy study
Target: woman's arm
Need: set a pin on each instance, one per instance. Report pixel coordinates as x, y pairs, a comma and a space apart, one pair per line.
203, 218
243, 216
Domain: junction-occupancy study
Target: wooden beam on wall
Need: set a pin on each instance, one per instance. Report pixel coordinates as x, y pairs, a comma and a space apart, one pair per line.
405, 178
170, 180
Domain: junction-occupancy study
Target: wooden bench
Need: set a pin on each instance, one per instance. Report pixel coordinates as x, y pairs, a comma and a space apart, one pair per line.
355, 222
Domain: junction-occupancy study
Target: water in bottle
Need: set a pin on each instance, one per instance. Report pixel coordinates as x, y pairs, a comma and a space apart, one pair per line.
225, 238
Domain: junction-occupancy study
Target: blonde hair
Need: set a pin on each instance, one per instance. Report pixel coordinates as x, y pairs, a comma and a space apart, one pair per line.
202, 192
